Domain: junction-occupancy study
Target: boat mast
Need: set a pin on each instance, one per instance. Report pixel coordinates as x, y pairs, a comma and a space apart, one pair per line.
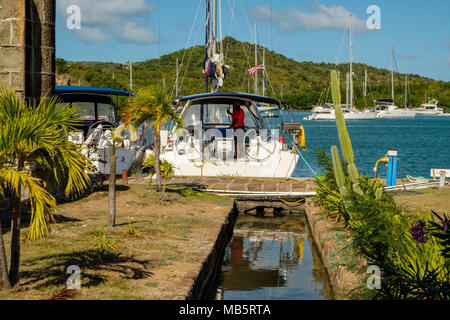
176, 82
346, 89
213, 39
351, 63
406, 87
131, 75
256, 60
365, 87
264, 71
365, 82
392, 72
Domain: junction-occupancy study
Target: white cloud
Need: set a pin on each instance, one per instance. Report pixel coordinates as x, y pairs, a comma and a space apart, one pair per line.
112, 20
322, 17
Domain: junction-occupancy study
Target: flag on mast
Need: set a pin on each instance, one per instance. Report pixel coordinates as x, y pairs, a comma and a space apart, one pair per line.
255, 68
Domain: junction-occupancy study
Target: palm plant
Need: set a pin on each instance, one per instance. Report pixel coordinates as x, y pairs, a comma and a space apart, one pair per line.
34, 133
167, 169
151, 104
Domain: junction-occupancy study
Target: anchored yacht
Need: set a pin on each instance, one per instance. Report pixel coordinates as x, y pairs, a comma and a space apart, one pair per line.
429, 109
207, 146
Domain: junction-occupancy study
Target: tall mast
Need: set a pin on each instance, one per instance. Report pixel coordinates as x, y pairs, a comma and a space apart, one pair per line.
213, 39
351, 63
220, 27
406, 87
264, 71
347, 76
131, 75
176, 82
365, 82
256, 60
392, 72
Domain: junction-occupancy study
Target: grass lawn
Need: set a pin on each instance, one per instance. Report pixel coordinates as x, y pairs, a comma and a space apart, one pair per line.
424, 200
154, 252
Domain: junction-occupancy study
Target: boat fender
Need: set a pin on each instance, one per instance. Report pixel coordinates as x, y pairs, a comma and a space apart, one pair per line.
299, 139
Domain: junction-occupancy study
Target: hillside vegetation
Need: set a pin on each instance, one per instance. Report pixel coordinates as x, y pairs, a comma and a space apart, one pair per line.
303, 84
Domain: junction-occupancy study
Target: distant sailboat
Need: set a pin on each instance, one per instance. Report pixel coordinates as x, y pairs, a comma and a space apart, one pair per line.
387, 108
326, 111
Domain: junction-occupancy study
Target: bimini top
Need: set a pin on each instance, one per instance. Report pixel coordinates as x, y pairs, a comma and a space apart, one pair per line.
384, 101
248, 96
95, 90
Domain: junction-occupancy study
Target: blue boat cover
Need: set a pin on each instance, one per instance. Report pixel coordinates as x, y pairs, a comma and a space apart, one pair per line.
96, 90
381, 101
248, 96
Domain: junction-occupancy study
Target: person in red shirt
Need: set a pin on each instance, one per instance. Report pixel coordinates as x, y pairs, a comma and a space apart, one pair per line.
237, 122
237, 116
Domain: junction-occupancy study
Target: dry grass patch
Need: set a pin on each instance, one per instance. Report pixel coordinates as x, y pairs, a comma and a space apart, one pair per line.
154, 252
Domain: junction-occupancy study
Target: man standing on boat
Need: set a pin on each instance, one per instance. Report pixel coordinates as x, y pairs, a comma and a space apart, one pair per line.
238, 125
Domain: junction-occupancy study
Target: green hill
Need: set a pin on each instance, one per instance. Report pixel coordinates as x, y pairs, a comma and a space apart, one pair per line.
303, 84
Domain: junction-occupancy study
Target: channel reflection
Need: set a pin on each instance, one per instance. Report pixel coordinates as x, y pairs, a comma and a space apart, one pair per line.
271, 258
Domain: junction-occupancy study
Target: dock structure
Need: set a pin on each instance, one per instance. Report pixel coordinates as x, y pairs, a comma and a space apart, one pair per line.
250, 193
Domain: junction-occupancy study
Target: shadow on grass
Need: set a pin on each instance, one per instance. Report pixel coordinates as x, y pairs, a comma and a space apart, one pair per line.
51, 270
26, 217
86, 195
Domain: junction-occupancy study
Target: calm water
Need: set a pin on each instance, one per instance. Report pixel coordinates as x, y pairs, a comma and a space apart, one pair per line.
269, 259
422, 143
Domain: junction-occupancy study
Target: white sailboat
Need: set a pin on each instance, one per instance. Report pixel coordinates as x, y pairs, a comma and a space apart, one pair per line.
386, 108
326, 111
208, 146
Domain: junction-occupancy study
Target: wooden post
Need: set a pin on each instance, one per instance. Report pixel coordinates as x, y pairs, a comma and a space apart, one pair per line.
442, 180
124, 176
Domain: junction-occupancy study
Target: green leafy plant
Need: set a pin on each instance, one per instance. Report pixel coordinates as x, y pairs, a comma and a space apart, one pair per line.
131, 231
167, 169
412, 253
33, 133
104, 243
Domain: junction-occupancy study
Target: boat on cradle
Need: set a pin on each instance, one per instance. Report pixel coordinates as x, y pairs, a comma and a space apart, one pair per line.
98, 121
387, 110
326, 112
429, 109
205, 146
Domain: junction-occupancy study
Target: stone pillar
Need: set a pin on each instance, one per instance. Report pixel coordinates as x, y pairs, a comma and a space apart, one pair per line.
27, 46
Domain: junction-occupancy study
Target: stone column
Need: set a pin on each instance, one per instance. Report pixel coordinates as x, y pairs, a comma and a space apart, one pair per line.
27, 46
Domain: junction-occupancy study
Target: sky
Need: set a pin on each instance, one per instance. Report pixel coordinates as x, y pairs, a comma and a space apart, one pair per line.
304, 30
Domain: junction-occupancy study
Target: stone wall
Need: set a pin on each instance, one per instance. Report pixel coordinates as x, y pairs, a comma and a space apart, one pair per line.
206, 281
27, 46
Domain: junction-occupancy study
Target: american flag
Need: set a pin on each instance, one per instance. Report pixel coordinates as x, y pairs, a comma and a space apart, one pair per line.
255, 68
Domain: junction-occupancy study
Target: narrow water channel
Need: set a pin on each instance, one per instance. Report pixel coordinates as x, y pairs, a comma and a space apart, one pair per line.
271, 258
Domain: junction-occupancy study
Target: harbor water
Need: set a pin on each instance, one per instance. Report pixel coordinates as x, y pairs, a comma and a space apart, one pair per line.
422, 142
272, 259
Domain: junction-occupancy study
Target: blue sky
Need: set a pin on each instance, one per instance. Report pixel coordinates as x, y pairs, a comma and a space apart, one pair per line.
307, 30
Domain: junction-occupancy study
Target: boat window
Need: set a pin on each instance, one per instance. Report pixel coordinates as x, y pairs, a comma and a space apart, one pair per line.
215, 114
105, 112
192, 115
85, 110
